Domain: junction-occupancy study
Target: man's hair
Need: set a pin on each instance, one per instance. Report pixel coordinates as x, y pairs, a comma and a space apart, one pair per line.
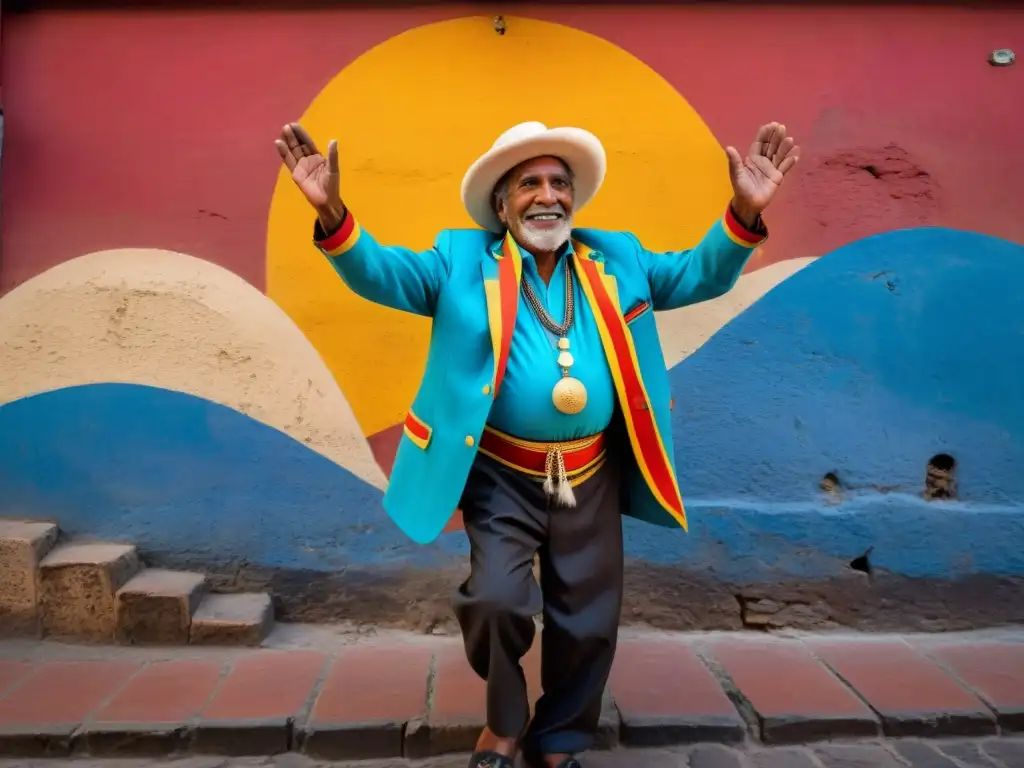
501, 189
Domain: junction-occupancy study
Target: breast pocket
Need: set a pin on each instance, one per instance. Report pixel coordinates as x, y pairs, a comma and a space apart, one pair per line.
638, 310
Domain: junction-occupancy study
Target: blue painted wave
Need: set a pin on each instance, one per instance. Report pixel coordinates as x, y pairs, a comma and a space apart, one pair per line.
177, 473
866, 363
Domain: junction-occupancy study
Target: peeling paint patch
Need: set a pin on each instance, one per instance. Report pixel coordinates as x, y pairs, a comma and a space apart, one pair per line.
866, 190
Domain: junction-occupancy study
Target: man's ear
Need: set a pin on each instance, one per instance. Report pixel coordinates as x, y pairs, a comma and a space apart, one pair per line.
499, 208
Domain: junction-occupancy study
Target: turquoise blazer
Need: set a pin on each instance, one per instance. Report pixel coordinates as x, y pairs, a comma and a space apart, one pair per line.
469, 284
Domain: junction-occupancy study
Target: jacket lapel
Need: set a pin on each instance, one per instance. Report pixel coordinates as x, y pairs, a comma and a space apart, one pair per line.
603, 297
502, 273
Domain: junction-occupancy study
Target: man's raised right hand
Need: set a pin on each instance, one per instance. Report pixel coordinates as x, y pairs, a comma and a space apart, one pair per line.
316, 177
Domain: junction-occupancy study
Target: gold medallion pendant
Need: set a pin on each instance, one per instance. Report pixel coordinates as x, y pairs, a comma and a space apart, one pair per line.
569, 395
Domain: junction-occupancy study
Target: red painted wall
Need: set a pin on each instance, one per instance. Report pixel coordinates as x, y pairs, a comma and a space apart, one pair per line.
154, 129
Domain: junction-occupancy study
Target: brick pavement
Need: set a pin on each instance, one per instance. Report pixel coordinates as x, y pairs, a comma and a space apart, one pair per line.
743, 698
997, 752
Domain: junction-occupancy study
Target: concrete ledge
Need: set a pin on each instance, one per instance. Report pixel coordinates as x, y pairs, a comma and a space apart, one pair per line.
239, 738
798, 729
36, 739
142, 739
353, 741
666, 731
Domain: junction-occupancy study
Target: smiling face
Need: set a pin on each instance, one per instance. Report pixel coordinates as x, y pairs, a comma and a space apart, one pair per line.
534, 201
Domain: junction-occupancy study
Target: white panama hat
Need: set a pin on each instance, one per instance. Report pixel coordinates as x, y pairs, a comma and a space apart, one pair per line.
577, 148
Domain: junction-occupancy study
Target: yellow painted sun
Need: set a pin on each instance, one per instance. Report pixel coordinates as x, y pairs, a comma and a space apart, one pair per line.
411, 114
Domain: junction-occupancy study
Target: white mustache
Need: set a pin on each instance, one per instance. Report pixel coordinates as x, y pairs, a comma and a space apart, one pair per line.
538, 210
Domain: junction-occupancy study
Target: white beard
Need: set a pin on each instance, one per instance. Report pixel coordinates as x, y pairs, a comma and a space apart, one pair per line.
547, 239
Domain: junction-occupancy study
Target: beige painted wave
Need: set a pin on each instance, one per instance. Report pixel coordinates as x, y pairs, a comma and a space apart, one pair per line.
684, 331
166, 319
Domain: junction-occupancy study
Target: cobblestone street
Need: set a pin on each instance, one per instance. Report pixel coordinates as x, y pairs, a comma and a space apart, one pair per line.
968, 753
681, 700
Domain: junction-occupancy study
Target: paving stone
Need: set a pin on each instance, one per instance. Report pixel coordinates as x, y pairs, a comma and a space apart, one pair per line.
64, 691
458, 706
39, 716
782, 757
23, 544
921, 755
369, 695
665, 695
993, 670
632, 758
156, 606
164, 692
12, 673
152, 713
90, 762
252, 711
969, 753
813, 704
293, 760
77, 585
238, 619
198, 761
1009, 752
715, 756
856, 756
913, 696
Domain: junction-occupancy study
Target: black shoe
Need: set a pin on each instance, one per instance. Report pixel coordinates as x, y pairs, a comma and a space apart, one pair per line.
490, 760
536, 760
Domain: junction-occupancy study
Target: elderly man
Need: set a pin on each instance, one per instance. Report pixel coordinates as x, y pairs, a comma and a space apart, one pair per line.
544, 408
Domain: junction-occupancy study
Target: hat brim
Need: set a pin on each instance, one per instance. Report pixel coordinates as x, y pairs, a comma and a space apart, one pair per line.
579, 149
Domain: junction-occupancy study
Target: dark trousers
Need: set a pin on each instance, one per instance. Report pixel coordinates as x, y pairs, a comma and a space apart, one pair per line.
508, 519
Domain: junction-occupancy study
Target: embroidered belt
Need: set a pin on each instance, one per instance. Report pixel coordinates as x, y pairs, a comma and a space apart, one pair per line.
561, 466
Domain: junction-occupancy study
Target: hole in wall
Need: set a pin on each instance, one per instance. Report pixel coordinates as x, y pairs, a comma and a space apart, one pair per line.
940, 477
862, 563
830, 484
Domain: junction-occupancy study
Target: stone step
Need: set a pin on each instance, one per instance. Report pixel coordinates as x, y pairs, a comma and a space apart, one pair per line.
78, 584
156, 606
23, 544
101, 591
235, 619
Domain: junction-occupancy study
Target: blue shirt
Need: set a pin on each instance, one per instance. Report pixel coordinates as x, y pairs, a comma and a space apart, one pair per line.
523, 407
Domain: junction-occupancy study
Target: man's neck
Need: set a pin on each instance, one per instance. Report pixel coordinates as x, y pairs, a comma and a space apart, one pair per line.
546, 261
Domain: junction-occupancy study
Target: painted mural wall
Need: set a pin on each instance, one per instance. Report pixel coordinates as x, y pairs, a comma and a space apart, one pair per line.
180, 368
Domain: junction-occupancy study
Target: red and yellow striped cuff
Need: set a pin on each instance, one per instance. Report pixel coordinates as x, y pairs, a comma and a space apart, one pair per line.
740, 234
344, 239
417, 430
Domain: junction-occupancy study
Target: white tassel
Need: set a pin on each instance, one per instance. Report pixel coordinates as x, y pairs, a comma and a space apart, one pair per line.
555, 461
549, 471
565, 495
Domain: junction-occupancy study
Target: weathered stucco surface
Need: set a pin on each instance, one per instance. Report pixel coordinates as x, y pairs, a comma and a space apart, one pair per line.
163, 319
180, 369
